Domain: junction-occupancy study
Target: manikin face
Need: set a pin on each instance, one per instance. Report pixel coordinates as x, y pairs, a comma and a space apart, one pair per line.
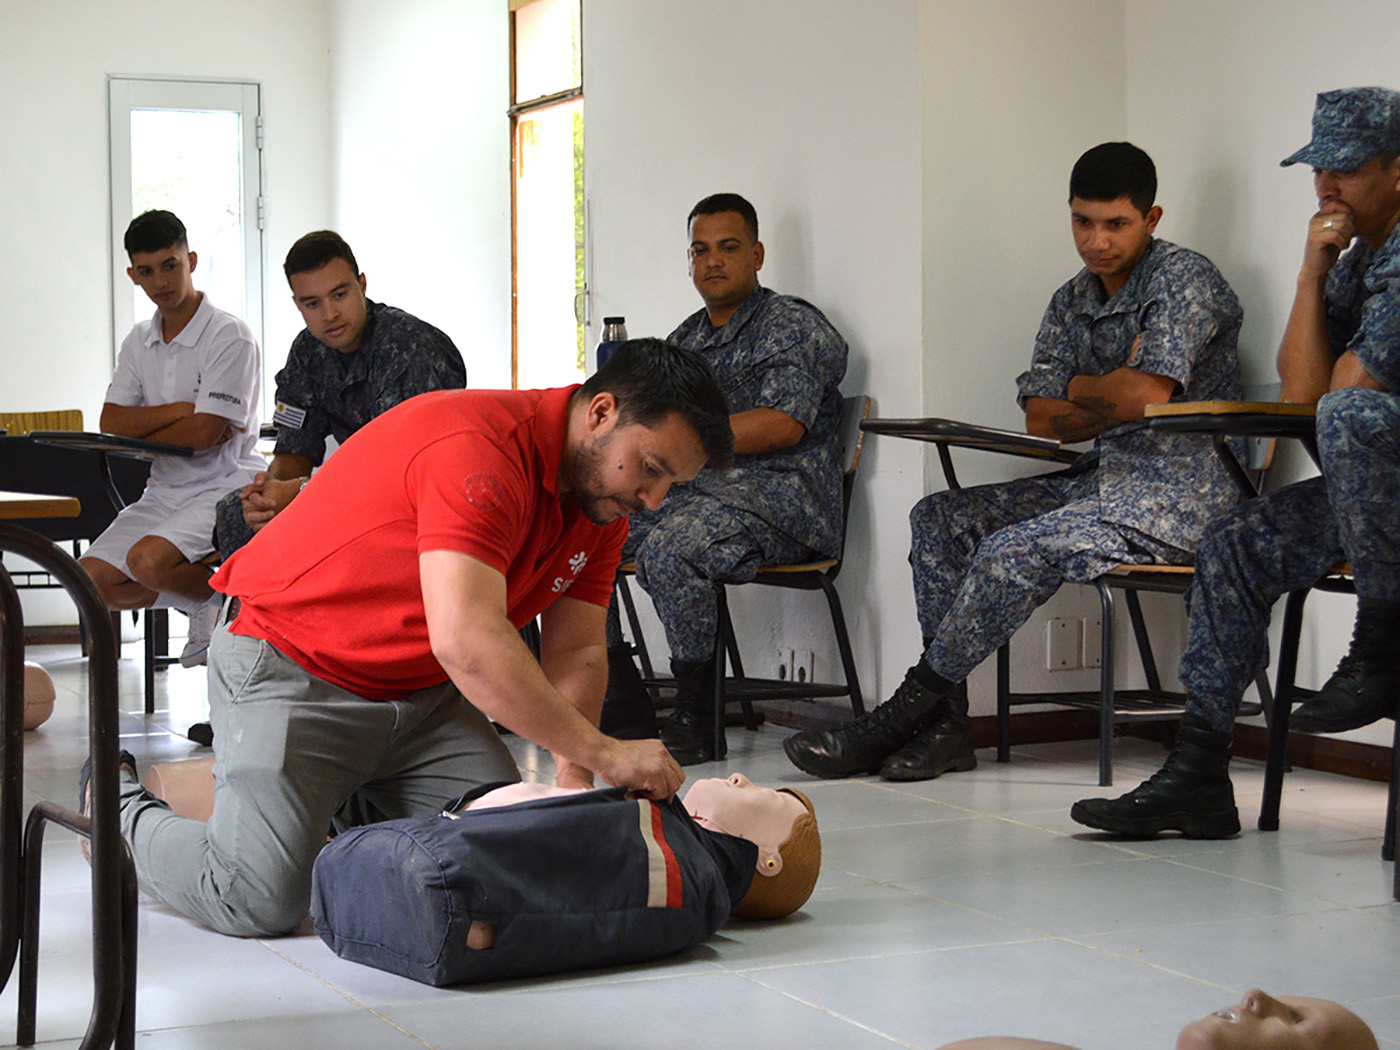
1261, 1022
1111, 236
331, 301
1371, 193
165, 276
619, 469
738, 806
724, 259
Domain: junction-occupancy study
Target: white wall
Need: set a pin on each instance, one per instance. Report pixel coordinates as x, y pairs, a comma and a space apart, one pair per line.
422, 175
55, 298
1002, 126
1219, 94
54, 60
813, 114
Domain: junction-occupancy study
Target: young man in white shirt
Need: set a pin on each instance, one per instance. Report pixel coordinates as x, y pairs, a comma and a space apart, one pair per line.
188, 377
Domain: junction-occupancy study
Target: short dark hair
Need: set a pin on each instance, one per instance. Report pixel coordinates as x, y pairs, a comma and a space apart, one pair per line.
153, 230
718, 202
314, 250
652, 378
1113, 170
1387, 157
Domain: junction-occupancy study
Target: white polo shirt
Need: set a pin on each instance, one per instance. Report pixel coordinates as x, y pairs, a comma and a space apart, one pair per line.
213, 363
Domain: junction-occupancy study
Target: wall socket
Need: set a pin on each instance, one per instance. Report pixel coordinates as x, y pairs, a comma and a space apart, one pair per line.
795, 665
1062, 644
1092, 635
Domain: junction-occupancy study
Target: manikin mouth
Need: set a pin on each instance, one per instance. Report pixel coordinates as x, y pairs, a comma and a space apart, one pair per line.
1229, 1013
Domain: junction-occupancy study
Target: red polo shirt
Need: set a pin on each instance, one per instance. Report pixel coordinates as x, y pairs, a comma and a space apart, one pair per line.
333, 580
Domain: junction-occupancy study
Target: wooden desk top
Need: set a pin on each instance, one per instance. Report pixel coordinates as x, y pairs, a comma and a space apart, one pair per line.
1229, 408
29, 505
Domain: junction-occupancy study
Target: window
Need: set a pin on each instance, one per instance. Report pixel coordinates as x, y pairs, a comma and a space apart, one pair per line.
192, 147
546, 117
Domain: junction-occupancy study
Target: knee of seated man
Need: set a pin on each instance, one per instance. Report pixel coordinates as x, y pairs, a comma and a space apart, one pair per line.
149, 559
1355, 413
253, 911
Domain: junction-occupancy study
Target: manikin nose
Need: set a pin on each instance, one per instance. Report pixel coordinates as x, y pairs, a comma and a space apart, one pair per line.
1260, 1003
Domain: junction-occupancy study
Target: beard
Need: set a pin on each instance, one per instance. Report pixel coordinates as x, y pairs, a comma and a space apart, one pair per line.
590, 491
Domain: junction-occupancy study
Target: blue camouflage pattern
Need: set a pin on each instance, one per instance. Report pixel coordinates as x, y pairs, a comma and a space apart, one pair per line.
399, 357
985, 558
1288, 539
776, 351
1349, 127
1363, 307
1167, 486
781, 352
701, 538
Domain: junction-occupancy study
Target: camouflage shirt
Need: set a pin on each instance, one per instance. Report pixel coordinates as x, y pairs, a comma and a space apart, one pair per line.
322, 392
1363, 308
1164, 485
779, 352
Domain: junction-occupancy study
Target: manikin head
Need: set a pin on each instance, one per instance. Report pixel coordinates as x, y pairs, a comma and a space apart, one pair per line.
781, 823
1261, 1022
1256, 1022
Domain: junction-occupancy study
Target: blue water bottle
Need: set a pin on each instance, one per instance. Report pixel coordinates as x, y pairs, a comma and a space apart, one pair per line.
614, 332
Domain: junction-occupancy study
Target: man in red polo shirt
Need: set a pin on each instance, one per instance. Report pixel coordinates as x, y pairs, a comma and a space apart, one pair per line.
393, 587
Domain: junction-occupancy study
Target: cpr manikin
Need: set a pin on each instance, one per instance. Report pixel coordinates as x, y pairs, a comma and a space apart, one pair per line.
528, 879
1257, 1022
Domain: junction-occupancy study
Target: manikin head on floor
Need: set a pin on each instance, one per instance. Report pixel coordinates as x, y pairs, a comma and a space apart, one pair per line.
780, 822
1257, 1022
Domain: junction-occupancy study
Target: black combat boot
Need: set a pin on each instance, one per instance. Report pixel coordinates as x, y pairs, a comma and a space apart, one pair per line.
628, 713
943, 747
1366, 684
689, 734
863, 745
1191, 793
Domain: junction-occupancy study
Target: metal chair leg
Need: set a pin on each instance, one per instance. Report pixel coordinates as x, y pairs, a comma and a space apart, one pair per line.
1004, 703
1283, 705
1106, 673
843, 644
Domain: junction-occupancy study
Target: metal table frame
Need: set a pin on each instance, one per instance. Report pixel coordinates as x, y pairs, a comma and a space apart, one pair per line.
113, 1017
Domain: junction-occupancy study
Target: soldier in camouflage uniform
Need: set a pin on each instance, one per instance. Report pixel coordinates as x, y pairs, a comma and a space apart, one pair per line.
1143, 323
1343, 336
354, 360
779, 363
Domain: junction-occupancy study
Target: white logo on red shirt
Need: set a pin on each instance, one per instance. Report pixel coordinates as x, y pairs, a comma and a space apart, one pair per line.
576, 564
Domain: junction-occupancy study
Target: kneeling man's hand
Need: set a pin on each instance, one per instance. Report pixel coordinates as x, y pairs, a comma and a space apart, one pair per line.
643, 766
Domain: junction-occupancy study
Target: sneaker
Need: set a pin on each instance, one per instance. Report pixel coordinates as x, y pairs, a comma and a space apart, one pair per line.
202, 622
128, 762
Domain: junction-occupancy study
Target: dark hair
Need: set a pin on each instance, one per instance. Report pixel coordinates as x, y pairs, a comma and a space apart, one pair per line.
1387, 157
153, 230
315, 249
1113, 170
651, 379
718, 202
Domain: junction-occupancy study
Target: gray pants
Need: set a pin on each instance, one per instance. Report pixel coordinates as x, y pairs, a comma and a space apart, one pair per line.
294, 756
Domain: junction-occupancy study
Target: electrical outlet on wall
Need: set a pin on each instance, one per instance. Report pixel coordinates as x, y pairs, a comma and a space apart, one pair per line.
1093, 641
1061, 644
802, 662
786, 665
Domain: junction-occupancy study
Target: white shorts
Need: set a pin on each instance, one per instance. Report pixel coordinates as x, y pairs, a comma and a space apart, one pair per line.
186, 521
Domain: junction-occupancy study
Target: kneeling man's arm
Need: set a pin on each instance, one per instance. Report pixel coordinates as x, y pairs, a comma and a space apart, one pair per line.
479, 648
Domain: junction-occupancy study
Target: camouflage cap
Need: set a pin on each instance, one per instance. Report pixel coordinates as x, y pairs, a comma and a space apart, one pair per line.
1350, 126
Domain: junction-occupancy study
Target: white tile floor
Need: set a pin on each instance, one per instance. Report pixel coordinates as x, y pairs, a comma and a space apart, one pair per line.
963, 906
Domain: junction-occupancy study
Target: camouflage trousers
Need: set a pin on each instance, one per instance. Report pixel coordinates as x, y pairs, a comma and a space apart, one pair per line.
230, 530
694, 539
1287, 540
985, 558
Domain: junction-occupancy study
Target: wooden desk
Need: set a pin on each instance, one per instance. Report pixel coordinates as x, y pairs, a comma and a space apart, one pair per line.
30, 505
1221, 420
